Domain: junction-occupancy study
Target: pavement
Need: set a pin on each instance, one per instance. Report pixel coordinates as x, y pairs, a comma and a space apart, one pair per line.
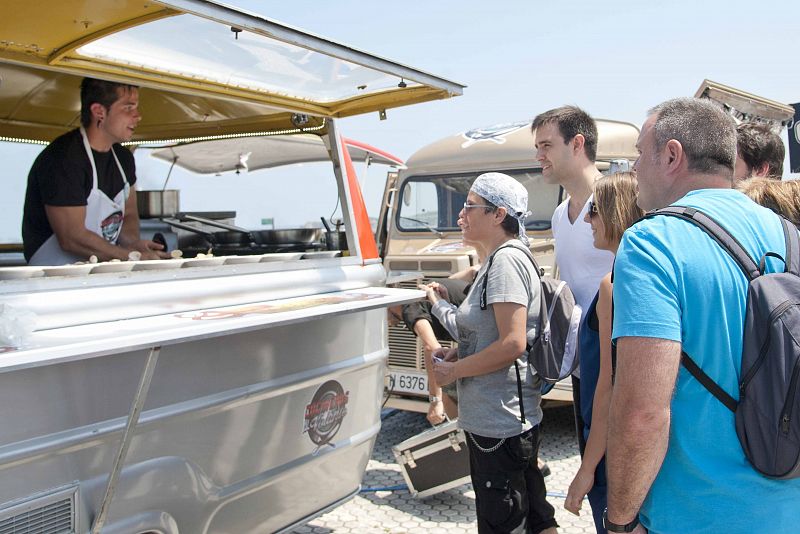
385, 505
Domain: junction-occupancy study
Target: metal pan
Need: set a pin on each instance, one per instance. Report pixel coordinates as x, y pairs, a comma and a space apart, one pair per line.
215, 238
283, 236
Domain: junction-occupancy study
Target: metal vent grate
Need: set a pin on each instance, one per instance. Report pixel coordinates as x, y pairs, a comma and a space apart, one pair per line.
49, 514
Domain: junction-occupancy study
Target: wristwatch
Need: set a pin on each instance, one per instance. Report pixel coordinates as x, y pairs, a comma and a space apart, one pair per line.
614, 527
434, 398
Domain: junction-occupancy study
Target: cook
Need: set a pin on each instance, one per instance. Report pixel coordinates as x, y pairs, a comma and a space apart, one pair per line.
81, 197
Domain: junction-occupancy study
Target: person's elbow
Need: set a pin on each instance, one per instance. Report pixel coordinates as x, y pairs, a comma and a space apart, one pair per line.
514, 346
642, 419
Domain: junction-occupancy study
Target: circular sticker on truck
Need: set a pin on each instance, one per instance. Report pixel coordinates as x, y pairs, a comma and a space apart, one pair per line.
325, 413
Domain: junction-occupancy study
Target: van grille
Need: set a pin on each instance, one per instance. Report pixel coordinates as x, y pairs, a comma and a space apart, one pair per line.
50, 514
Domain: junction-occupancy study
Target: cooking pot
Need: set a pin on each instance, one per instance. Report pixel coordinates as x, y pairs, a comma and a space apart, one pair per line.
284, 236
334, 239
164, 203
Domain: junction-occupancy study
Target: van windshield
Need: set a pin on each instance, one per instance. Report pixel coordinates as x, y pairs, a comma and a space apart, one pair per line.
432, 203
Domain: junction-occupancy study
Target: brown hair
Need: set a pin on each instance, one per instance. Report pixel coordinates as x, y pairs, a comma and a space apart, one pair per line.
615, 198
782, 197
102, 92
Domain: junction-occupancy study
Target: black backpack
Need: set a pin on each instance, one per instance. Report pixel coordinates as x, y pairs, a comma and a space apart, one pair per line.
769, 403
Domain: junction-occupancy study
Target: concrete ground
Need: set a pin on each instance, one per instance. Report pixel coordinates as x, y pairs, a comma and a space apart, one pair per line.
385, 506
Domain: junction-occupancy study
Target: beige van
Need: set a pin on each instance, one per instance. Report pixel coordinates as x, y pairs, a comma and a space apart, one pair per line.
420, 240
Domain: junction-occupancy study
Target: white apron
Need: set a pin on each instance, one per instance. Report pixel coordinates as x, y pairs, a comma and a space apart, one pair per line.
104, 216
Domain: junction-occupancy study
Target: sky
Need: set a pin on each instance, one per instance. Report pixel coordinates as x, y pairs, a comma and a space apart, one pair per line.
615, 59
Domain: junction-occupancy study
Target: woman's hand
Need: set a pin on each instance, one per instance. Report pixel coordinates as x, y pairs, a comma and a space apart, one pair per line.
435, 291
578, 489
436, 412
444, 365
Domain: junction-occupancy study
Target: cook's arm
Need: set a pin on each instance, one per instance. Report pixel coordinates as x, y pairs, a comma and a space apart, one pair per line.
129, 236
69, 226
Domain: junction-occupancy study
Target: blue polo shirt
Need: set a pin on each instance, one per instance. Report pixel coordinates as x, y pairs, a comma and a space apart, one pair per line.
671, 281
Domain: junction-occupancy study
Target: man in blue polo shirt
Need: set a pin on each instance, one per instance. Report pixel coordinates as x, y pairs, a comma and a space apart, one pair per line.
674, 460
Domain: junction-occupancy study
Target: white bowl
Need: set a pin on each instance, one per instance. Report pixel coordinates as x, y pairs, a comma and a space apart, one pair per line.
204, 262
16, 273
281, 256
113, 267
68, 270
156, 265
238, 260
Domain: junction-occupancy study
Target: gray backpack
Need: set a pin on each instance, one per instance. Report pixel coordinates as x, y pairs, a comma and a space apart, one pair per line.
768, 401
552, 347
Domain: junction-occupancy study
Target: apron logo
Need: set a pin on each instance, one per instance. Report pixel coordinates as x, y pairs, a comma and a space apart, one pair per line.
111, 226
325, 412
497, 133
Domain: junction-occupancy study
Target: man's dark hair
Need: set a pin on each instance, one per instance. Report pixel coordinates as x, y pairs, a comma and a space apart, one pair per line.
571, 121
706, 133
757, 144
99, 91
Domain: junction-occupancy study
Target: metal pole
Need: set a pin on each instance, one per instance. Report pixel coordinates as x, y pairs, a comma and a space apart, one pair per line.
127, 437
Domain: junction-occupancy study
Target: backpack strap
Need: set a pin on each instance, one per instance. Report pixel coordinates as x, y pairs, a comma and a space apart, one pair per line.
519, 393
792, 259
719, 234
482, 299
483, 306
708, 383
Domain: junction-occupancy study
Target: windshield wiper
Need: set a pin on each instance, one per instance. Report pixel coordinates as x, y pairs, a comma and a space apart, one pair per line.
427, 226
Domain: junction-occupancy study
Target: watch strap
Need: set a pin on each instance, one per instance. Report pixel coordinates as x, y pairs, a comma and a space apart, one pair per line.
615, 527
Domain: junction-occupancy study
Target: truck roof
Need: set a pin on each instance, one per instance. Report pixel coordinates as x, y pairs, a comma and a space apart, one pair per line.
510, 146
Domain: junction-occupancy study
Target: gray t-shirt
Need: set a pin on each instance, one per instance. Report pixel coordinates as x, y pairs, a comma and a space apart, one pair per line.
488, 405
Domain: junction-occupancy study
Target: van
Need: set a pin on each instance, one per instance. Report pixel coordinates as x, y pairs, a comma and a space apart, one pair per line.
421, 242
230, 389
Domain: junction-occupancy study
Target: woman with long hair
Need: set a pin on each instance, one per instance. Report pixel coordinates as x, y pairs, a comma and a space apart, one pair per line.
613, 209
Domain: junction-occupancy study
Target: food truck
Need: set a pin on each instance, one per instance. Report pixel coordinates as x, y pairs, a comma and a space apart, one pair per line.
419, 233
233, 392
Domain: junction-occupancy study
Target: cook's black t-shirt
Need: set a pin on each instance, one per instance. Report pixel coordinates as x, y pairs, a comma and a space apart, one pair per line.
62, 176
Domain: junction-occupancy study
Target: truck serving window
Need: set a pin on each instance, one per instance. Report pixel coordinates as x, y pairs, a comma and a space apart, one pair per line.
432, 203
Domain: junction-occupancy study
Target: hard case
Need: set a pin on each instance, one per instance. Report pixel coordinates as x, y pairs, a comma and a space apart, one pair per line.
434, 460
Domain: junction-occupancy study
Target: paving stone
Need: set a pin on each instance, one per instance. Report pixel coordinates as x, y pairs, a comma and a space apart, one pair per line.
452, 511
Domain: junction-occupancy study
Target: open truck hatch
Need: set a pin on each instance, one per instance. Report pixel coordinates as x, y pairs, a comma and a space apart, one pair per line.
205, 69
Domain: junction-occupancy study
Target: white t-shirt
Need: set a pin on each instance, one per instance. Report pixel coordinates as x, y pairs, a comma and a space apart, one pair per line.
580, 265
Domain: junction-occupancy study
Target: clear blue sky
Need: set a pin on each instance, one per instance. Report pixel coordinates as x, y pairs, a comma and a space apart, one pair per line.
615, 59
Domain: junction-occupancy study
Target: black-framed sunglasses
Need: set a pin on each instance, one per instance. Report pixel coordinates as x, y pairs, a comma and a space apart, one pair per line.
593, 209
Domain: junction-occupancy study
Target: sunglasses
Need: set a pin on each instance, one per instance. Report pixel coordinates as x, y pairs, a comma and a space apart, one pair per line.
468, 206
593, 209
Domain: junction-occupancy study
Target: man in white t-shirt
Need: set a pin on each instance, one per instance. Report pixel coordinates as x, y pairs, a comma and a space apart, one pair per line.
566, 146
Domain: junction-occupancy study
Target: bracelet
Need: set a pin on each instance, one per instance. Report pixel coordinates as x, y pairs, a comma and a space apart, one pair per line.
434, 398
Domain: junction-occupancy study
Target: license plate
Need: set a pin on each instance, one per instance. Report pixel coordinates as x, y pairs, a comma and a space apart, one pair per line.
400, 382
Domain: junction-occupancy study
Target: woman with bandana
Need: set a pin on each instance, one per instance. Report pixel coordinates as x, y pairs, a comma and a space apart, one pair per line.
499, 402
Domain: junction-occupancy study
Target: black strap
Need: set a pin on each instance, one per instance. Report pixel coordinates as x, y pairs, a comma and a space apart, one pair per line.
519, 393
708, 383
482, 298
719, 234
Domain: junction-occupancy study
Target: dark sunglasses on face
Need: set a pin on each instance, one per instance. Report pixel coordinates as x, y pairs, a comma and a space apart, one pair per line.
592, 209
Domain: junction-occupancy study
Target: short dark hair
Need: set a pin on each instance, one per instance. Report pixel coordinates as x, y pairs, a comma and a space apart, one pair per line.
706, 133
571, 121
758, 144
101, 92
510, 223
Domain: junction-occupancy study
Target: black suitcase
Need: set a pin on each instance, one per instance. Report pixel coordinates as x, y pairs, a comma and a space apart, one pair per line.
435, 460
